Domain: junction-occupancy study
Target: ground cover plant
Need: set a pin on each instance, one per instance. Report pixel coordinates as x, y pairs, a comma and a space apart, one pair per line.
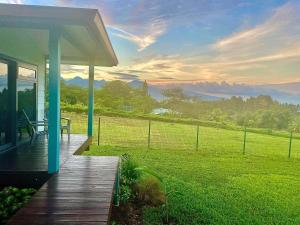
139, 188
11, 200
217, 183
220, 188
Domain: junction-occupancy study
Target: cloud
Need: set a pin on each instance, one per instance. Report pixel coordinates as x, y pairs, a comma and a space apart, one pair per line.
13, 1
274, 39
124, 76
154, 29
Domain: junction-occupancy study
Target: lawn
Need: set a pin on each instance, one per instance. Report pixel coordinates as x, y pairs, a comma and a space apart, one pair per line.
218, 184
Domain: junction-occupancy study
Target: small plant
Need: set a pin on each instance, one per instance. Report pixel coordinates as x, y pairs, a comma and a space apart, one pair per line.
12, 199
125, 193
129, 177
129, 172
140, 183
150, 191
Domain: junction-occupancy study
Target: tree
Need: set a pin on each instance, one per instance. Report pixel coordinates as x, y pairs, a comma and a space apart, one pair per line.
175, 93
145, 89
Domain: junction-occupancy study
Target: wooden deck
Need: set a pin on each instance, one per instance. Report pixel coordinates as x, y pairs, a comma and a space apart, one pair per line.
34, 158
81, 193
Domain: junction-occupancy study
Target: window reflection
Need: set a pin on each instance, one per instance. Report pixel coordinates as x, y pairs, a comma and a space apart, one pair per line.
25, 73
5, 137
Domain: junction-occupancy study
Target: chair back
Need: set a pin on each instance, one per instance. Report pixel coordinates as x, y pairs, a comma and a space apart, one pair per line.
28, 121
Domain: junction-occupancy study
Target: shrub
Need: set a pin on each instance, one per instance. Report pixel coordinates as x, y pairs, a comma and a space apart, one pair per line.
139, 183
129, 177
12, 199
149, 190
129, 172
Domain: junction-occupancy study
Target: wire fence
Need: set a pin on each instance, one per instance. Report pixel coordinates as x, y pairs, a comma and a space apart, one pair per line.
150, 134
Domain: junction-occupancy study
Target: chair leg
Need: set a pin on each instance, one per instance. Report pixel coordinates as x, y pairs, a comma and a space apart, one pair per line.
33, 136
69, 133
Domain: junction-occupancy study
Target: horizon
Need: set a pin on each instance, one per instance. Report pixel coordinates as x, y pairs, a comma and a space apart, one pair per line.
161, 82
239, 41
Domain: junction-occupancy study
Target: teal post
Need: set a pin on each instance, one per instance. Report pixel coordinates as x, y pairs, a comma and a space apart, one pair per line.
99, 129
117, 188
290, 144
54, 101
91, 101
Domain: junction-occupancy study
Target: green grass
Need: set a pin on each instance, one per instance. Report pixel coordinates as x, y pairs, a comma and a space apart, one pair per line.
218, 184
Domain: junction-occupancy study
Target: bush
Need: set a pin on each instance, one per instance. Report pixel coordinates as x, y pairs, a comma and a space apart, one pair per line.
11, 200
129, 177
139, 184
150, 191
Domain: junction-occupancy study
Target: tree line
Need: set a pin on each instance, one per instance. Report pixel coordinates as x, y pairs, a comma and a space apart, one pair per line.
118, 96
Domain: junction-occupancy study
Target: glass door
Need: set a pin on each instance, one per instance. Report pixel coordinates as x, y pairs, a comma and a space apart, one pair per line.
26, 98
5, 119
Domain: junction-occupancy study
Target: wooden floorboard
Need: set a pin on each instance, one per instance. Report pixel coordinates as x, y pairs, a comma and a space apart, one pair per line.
81, 193
34, 157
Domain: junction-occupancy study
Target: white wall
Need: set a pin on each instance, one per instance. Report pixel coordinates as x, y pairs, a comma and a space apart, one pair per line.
41, 74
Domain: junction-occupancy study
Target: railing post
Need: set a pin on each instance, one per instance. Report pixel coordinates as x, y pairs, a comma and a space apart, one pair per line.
54, 101
245, 139
99, 127
117, 188
149, 134
290, 144
91, 101
197, 143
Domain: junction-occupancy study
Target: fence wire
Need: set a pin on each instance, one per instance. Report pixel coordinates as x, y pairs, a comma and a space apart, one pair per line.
134, 133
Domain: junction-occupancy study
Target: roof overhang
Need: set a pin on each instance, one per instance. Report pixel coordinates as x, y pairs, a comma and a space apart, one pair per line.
84, 37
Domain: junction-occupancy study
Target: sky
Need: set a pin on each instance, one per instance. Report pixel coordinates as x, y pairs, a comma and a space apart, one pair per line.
182, 41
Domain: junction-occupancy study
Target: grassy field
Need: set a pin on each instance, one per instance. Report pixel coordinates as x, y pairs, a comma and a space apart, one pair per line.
218, 184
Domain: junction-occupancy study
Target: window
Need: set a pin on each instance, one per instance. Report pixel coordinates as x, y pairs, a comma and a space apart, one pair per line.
5, 128
26, 99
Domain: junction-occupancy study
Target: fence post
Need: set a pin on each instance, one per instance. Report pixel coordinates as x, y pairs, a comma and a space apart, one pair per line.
290, 145
149, 134
197, 143
99, 121
245, 138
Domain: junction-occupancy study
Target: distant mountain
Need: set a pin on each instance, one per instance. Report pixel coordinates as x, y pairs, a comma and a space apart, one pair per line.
292, 88
289, 92
78, 81
210, 91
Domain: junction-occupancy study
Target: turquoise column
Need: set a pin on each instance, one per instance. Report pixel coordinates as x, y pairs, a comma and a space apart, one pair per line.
91, 101
54, 101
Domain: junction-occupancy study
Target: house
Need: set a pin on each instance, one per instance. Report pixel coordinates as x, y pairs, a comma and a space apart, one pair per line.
160, 111
33, 38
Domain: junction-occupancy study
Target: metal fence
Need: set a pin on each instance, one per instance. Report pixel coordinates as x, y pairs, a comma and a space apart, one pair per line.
150, 134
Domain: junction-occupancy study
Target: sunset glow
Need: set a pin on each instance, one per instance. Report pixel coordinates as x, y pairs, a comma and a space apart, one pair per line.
238, 41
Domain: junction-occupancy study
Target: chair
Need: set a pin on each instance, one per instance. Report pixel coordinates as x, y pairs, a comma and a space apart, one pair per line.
65, 124
33, 125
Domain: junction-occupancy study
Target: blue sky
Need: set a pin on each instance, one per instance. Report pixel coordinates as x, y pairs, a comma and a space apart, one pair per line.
237, 41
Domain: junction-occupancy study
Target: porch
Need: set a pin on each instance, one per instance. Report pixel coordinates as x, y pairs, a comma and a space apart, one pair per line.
34, 157
81, 193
